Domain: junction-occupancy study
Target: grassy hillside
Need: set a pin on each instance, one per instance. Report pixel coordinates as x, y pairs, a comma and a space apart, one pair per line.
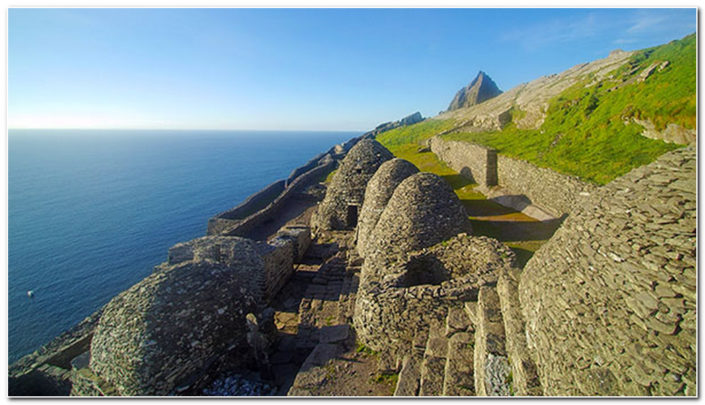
588, 130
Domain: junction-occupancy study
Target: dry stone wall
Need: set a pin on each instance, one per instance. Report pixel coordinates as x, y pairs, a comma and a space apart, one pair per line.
161, 334
255, 202
222, 224
422, 211
555, 192
558, 193
475, 162
377, 194
610, 300
421, 287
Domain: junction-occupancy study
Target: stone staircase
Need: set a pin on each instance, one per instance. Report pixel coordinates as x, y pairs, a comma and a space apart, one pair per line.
480, 350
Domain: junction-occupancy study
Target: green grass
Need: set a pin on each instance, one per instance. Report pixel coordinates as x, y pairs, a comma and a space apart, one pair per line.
587, 131
361, 348
327, 178
416, 133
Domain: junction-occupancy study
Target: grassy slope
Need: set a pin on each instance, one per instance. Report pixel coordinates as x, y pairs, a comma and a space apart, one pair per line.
585, 134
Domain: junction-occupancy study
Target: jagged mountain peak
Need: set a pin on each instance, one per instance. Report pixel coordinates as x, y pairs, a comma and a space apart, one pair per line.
480, 89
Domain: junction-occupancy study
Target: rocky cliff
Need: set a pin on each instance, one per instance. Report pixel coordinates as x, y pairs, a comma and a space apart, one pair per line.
532, 97
480, 89
388, 126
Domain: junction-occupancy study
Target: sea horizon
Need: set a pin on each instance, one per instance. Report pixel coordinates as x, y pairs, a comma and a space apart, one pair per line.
89, 216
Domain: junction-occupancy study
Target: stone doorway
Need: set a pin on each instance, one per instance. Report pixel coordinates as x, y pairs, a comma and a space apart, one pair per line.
351, 217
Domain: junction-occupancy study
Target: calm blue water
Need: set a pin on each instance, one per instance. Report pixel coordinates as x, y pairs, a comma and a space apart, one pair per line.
91, 212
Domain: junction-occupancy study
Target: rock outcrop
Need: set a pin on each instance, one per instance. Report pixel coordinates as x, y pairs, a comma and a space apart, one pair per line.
531, 98
610, 300
340, 207
377, 194
480, 89
387, 126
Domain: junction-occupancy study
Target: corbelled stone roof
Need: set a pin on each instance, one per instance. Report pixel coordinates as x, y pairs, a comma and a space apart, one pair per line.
348, 184
617, 285
163, 330
422, 211
379, 191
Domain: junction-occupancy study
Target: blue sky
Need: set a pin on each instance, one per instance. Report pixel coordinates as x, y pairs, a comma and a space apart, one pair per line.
293, 69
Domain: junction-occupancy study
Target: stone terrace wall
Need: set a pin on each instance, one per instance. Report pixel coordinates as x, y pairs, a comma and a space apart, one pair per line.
473, 161
255, 202
610, 300
223, 226
557, 193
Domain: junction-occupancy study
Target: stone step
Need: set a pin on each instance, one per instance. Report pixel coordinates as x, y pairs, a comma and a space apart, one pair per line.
525, 380
491, 365
434, 362
409, 376
459, 378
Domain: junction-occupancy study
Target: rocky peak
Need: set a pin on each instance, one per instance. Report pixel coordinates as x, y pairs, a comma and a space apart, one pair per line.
481, 88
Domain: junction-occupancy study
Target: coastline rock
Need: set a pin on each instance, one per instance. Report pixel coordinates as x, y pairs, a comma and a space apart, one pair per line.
388, 126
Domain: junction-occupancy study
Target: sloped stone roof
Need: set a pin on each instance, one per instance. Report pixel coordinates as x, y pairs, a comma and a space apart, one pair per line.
377, 194
348, 184
617, 285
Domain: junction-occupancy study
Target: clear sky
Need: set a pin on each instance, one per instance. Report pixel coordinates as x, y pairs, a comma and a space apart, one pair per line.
293, 69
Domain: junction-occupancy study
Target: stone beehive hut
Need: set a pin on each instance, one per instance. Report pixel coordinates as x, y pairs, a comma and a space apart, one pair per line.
421, 287
162, 333
378, 192
339, 209
422, 211
610, 300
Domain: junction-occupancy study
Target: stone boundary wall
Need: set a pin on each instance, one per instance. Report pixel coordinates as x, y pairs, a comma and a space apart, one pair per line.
303, 169
472, 161
223, 226
255, 202
555, 192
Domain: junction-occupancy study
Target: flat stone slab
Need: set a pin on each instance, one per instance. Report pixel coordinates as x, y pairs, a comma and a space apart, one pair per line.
432, 372
408, 383
457, 321
321, 354
334, 334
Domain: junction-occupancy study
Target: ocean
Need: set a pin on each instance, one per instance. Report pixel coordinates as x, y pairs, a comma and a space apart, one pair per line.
92, 211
